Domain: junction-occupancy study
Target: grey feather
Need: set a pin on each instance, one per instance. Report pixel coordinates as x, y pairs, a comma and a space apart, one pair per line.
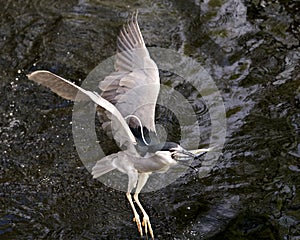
133, 88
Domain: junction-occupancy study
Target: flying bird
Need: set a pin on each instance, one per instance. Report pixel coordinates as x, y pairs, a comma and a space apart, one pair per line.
128, 98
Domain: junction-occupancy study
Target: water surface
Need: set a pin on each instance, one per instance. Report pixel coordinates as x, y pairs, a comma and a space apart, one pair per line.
250, 48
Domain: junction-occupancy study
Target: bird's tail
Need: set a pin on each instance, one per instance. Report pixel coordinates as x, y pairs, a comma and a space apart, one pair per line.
104, 165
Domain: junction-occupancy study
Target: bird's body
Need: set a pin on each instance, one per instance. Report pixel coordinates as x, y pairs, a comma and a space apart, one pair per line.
160, 161
128, 97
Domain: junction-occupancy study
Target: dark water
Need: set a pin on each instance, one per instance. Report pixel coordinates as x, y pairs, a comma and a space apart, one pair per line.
250, 48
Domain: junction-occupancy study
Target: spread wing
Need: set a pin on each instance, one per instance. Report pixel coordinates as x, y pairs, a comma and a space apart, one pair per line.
131, 91
57, 84
134, 87
69, 90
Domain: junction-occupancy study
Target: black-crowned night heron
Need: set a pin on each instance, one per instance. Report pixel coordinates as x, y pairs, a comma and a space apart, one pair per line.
129, 97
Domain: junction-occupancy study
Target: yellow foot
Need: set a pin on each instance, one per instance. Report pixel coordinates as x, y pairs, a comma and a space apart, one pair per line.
146, 223
138, 223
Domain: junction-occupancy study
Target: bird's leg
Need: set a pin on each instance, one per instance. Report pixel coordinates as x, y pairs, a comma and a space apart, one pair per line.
132, 180
136, 216
143, 177
146, 221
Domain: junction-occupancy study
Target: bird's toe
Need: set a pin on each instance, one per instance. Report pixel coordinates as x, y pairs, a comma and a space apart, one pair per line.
138, 223
147, 225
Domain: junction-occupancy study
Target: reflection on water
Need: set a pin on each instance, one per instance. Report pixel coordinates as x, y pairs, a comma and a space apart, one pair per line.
251, 49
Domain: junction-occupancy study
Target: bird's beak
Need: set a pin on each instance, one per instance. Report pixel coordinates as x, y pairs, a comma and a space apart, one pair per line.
183, 154
200, 152
187, 153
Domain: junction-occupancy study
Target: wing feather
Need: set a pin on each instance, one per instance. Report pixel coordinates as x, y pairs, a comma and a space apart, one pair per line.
64, 87
133, 88
57, 84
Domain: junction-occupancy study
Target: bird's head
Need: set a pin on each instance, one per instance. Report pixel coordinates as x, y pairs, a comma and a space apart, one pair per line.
177, 152
173, 150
